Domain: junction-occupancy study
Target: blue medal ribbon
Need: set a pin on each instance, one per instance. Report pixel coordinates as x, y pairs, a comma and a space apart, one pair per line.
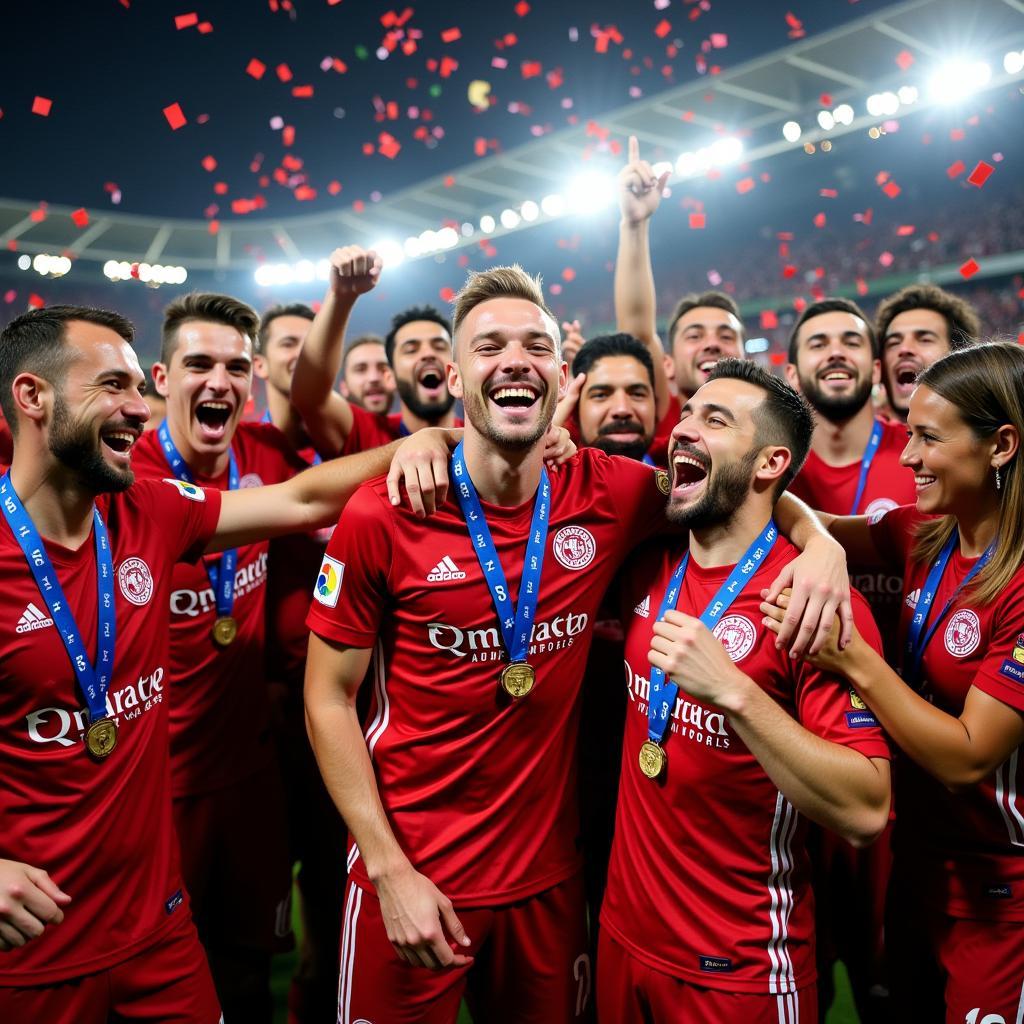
516, 623
865, 464
221, 572
647, 460
93, 679
663, 691
917, 638
265, 418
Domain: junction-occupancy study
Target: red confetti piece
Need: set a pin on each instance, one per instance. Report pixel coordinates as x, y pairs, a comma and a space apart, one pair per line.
828, 193
744, 185
789, 271
389, 146
220, 188
663, 28
39, 215
777, 358
819, 220
891, 189
449, 181
209, 164
213, 227
42, 106
769, 319
450, 35
980, 174
956, 169
862, 286
956, 134
568, 274
531, 68
969, 269
36, 301
175, 118
205, 28
284, 72
80, 217
288, 135
697, 221
186, 20
447, 294
256, 68
886, 259
480, 147
449, 65
522, 8
904, 59
304, 192
905, 229
358, 206
719, 40
302, 92
334, 188
825, 99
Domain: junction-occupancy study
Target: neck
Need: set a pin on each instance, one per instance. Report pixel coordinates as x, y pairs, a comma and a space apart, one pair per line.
204, 464
54, 498
979, 526
725, 542
284, 418
839, 444
414, 422
501, 477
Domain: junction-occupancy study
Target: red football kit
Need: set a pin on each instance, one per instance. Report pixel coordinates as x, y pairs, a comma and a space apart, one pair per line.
960, 855
375, 429
709, 878
102, 830
479, 789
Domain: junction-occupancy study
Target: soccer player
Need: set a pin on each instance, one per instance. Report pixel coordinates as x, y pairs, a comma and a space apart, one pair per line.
276, 346
916, 326
366, 377
954, 933
418, 346
730, 745
94, 917
460, 793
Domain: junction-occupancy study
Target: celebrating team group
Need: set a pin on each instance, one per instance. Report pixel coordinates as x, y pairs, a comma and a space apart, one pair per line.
646, 694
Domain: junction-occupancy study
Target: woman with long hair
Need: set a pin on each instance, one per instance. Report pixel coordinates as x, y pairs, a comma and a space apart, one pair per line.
955, 922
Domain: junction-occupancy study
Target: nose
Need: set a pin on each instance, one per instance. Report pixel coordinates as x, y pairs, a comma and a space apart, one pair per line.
217, 379
620, 407
514, 358
909, 456
685, 431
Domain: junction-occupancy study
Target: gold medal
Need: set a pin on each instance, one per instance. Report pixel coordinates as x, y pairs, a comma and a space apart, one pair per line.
652, 759
517, 679
101, 737
225, 629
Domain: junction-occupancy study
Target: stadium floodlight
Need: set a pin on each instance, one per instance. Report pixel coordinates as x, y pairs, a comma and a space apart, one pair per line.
791, 131
412, 247
591, 192
662, 167
509, 219
304, 271
726, 151
446, 238
958, 79
753, 346
390, 252
1013, 62
907, 94
24, 262
883, 104
487, 224
553, 205
529, 211
826, 121
467, 230
843, 114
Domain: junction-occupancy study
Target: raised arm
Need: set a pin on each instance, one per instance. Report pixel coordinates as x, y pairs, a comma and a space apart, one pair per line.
635, 306
326, 414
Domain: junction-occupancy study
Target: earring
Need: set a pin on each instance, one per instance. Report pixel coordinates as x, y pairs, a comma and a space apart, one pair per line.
999, 482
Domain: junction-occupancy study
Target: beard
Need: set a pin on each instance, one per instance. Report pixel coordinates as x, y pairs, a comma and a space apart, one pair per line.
835, 408
73, 443
726, 490
478, 413
635, 449
429, 411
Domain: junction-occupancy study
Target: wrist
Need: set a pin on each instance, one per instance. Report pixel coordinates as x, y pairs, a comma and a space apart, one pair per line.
735, 695
385, 869
630, 224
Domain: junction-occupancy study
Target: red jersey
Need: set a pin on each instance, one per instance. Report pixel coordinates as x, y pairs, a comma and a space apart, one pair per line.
967, 848
832, 489
6, 443
709, 878
219, 713
373, 430
658, 452
102, 830
479, 789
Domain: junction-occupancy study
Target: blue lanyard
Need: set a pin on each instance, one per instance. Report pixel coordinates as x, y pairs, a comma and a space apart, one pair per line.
222, 572
647, 460
516, 623
865, 464
917, 643
664, 692
94, 681
265, 418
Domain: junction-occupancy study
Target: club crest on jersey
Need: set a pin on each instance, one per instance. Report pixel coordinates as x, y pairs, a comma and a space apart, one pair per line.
664, 482
878, 508
188, 490
328, 581
1018, 648
963, 633
736, 634
135, 580
574, 547
251, 480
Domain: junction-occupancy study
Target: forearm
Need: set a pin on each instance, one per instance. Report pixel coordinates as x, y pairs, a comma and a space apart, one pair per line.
798, 522
832, 785
320, 358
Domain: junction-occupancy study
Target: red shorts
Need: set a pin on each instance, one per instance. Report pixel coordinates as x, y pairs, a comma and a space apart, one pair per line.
531, 965
234, 858
975, 969
169, 983
629, 991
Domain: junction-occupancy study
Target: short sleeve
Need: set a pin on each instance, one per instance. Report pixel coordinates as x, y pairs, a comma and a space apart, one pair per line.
893, 533
350, 592
184, 513
1001, 673
830, 708
639, 493
369, 430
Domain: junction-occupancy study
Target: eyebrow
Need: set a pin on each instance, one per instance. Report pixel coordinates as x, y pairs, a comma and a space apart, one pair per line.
499, 335
121, 375
711, 407
846, 334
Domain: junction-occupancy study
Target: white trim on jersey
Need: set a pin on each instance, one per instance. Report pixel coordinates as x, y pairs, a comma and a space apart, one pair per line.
781, 978
380, 689
1006, 798
348, 952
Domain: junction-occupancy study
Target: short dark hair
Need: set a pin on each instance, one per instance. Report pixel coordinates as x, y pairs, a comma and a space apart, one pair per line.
717, 300
207, 307
962, 321
836, 305
605, 345
292, 309
408, 316
35, 343
784, 417
363, 339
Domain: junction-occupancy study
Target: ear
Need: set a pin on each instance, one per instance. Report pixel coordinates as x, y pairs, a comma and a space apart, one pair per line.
33, 396
454, 381
259, 367
563, 379
342, 387
773, 463
792, 377
876, 373
1007, 445
159, 372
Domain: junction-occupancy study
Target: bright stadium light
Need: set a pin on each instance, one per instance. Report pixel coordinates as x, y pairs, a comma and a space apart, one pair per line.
791, 131
390, 252
826, 120
843, 114
1013, 62
591, 191
907, 94
529, 211
883, 104
487, 224
726, 151
24, 261
959, 79
509, 219
553, 205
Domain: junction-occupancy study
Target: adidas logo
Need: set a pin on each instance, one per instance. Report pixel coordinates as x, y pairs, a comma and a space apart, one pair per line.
445, 570
32, 618
643, 609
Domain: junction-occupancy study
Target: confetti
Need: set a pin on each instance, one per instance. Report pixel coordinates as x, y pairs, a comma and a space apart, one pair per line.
302, 92
719, 40
663, 28
531, 68
744, 185
980, 174
769, 319
388, 146
42, 106
256, 68
447, 294
969, 269
175, 118
334, 188
209, 164
905, 229
904, 59
80, 217
35, 301
205, 28
185, 20
891, 189
478, 94
522, 8
568, 274
819, 220
450, 35
697, 221
284, 73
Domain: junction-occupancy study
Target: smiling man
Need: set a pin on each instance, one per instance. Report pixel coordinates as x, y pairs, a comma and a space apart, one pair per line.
366, 375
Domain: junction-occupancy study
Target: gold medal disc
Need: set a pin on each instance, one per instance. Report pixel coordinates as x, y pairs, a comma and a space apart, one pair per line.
225, 629
652, 759
101, 737
518, 678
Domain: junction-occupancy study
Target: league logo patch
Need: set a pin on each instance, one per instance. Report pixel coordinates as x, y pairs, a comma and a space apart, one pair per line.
174, 901
664, 482
135, 580
736, 634
328, 581
963, 634
188, 490
1012, 670
251, 480
1018, 648
716, 964
574, 547
878, 508
860, 720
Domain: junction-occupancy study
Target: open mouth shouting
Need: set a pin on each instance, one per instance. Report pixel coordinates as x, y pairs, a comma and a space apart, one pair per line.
690, 470
515, 400
119, 440
212, 418
430, 378
904, 377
